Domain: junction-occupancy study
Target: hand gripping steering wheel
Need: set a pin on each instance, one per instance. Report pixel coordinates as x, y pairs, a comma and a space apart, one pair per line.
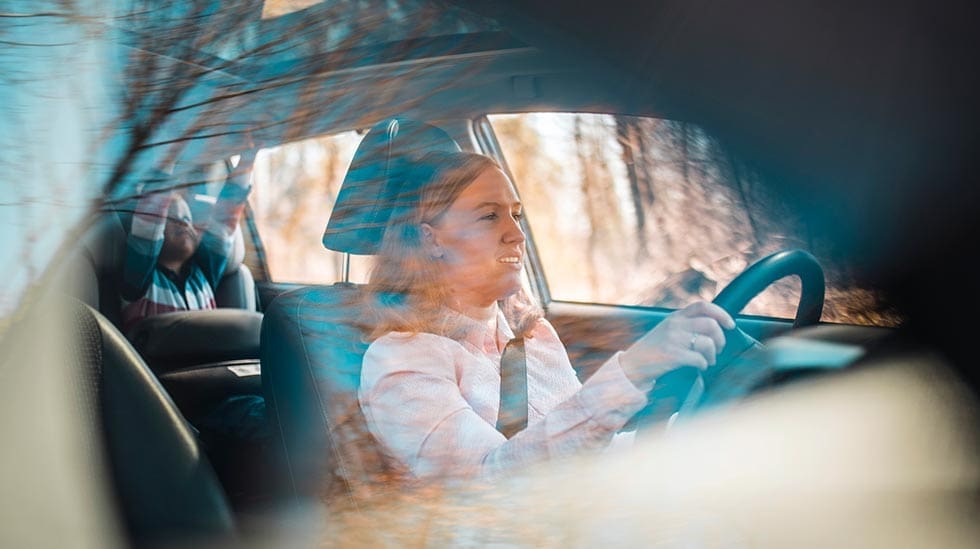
682, 391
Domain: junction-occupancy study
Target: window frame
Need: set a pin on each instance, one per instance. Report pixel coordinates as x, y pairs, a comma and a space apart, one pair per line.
486, 140
251, 235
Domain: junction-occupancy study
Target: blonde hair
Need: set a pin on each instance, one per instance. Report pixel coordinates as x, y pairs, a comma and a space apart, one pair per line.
407, 293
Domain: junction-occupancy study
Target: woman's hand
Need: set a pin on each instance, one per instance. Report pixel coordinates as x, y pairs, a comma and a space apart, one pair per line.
691, 336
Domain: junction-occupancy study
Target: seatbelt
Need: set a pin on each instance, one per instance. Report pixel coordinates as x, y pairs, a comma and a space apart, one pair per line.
512, 417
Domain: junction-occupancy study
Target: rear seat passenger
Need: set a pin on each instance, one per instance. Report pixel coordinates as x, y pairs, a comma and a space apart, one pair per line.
207, 360
94, 277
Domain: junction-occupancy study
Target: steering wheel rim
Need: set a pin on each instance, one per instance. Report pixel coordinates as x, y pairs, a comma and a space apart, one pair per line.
683, 389
761, 274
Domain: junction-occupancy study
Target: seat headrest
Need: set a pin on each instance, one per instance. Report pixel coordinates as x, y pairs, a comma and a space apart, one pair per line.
373, 186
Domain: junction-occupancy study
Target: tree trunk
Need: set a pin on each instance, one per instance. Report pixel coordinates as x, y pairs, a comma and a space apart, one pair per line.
627, 135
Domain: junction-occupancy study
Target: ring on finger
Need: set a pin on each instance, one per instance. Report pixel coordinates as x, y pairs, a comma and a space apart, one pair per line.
694, 340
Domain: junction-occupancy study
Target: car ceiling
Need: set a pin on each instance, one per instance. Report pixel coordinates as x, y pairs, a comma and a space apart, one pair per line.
823, 95
334, 66
779, 76
801, 86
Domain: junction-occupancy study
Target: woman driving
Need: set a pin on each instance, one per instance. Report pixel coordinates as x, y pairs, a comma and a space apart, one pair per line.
430, 389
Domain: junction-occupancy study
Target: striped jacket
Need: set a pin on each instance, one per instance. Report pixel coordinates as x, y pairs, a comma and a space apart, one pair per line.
147, 287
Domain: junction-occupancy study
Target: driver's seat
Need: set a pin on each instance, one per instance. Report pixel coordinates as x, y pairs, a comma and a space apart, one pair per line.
311, 341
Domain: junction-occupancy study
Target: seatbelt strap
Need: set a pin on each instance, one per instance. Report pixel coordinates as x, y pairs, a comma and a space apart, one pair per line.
512, 417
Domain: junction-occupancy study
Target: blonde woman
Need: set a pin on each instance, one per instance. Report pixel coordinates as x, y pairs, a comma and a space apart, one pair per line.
453, 253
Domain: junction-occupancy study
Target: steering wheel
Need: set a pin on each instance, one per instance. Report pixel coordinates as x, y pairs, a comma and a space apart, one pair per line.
761, 274
683, 391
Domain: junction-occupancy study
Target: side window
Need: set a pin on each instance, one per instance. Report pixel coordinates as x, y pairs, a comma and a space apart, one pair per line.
643, 211
294, 188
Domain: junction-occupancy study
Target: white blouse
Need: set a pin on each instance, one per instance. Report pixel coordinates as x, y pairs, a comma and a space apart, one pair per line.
432, 401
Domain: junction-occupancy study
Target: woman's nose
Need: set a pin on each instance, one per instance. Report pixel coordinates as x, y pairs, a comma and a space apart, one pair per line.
514, 233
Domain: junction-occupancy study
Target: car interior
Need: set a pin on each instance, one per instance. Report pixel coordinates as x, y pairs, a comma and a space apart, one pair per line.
300, 354
211, 421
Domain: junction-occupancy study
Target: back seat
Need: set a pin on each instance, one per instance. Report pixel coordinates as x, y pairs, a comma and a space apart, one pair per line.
207, 361
97, 268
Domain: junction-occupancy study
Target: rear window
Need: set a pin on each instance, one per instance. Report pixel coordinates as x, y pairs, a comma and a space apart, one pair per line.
294, 189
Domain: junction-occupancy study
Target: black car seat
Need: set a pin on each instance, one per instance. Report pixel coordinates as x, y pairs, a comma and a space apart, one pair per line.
312, 344
161, 485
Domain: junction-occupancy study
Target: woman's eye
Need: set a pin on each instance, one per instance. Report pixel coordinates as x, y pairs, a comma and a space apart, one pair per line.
491, 216
518, 215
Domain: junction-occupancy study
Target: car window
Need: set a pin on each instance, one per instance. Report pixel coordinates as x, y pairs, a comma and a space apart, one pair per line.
643, 211
294, 188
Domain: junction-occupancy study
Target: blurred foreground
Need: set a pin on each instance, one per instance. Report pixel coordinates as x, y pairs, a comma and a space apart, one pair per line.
883, 457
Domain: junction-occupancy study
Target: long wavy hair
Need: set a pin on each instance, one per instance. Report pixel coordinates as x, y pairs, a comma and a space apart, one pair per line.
406, 287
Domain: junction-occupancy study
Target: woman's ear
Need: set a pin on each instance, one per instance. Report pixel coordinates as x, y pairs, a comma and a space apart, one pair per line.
430, 241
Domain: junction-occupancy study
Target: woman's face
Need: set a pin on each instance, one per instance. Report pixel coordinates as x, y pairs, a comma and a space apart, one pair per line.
479, 242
